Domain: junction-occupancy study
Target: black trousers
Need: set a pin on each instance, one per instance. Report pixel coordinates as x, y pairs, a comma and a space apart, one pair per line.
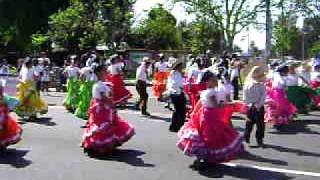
179, 114
141, 87
235, 84
256, 117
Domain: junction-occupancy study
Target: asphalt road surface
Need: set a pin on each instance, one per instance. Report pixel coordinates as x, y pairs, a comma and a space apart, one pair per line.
50, 151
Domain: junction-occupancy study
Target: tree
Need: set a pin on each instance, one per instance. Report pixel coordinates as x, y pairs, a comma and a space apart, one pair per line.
315, 49
204, 36
20, 19
159, 30
86, 24
230, 17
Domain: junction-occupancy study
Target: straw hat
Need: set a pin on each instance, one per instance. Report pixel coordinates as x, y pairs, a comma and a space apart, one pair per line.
257, 73
306, 67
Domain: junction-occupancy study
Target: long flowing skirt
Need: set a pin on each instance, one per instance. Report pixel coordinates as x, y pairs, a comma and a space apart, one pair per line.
193, 91
279, 109
159, 83
316, 97
10, 131
72, 99
300, 97
11, 102
207, 136
30, 100
119, 91
85, 95
105, 129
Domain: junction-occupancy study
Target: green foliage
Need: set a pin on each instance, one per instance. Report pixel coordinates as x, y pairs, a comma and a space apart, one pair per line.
284, 38
20, 19
158, 31
39, 41
315, 49
229, 17
84, 25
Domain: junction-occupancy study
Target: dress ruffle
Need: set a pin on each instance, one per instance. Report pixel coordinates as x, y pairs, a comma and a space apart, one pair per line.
105, 129
207, 136
300, 97
159, 83
30, 100
279, 109
193, 91
72, 99
316, 97
119, 92
11, 131
85, 95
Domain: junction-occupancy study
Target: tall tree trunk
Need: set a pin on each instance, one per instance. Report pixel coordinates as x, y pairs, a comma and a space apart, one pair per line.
268, 30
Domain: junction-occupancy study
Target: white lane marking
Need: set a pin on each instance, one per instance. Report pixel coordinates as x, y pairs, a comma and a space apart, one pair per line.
305, 173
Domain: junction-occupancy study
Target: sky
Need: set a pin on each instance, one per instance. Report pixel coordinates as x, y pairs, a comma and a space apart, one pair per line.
142, 6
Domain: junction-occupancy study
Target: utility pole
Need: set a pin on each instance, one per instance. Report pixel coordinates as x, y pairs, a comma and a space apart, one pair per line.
268, 30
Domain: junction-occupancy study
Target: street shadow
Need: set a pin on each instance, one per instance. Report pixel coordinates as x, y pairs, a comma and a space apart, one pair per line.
46, 121
297, 127
153, 117
241, 172
256, 158
15, 158
131, 157
298, 152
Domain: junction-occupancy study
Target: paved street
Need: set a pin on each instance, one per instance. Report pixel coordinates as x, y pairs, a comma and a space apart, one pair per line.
50, 151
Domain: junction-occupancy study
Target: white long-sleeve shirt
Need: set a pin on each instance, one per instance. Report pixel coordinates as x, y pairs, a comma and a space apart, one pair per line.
141, 73
254, 94
175, 83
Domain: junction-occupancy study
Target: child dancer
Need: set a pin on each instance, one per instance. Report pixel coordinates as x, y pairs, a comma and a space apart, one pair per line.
10, 130
105, 129
254, 95
205, 135
27, 94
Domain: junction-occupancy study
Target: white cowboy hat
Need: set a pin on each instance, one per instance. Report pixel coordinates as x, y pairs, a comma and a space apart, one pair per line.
174, 62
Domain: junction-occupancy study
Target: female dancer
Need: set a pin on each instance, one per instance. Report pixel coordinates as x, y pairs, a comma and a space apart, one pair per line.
160, 78
298, 95
30, 101
115, 77
105, 129
88, 78
72, 73
279, 109
205, 135
10, 130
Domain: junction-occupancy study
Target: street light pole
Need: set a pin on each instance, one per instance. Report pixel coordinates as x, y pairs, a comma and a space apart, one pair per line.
302, 45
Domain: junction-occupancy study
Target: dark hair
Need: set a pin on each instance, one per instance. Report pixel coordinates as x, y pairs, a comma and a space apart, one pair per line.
178, 65
99, 68
283, 69
207, 75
